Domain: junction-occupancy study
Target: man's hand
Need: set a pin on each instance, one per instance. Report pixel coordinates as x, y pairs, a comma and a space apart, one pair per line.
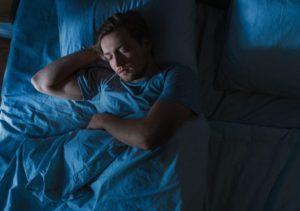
97, 121
158, 126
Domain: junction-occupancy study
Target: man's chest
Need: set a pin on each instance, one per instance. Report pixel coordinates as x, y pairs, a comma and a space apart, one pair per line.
123, 101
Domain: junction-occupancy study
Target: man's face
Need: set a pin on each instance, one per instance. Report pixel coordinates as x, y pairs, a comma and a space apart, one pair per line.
128, 58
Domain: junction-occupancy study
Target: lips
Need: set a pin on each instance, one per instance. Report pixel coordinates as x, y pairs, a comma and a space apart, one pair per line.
122, 70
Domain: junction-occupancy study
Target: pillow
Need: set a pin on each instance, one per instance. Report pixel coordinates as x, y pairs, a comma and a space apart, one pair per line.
262, 48
172, 24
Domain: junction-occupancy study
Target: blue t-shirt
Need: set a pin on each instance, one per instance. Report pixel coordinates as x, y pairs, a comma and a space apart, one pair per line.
110, 94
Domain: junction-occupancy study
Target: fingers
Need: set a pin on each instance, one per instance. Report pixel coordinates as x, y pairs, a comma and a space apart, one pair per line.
90, 126
97, 49
95, 122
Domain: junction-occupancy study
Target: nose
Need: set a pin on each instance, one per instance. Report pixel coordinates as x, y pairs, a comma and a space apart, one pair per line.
118, 60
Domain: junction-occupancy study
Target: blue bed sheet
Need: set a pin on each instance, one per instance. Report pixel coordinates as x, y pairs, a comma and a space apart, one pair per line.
48, 161
254, 145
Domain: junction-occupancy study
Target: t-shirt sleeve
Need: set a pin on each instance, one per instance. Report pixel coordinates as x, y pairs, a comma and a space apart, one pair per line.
90, 80
181, 86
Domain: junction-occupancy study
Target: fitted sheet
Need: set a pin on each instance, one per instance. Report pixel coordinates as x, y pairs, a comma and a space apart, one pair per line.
48, 161
253, 157
253, 168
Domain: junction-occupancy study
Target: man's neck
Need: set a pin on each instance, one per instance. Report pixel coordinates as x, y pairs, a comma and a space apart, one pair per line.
152, 69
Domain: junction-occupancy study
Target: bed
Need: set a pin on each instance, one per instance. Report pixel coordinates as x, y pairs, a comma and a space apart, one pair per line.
241, 154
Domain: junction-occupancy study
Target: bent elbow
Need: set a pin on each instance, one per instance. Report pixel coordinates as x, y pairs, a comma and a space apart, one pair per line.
149, 142
34, 82
146, 146
37, 84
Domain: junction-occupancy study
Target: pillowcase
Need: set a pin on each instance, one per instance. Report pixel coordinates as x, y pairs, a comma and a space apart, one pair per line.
262, 48
172, 24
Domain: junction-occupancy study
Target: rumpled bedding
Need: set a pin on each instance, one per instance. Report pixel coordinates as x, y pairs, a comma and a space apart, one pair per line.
63, 171
253, 158
49, 161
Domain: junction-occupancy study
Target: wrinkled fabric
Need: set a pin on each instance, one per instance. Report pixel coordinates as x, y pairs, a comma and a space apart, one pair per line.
49, 161
91, 169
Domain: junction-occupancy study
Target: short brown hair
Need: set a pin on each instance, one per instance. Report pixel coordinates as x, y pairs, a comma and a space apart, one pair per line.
132, 21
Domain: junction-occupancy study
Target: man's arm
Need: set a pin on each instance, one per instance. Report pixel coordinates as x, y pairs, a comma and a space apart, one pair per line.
158, 126
58, 78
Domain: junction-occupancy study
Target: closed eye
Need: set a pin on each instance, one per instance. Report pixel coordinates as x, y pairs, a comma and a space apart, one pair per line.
124, 49
107, 57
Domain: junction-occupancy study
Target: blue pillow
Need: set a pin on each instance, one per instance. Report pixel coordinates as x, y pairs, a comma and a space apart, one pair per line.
262, 48
172, 24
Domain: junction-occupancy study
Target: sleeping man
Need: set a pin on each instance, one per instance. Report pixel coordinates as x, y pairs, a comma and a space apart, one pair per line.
161, 98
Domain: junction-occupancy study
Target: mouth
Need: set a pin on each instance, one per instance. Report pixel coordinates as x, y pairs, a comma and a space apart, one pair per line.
123, 70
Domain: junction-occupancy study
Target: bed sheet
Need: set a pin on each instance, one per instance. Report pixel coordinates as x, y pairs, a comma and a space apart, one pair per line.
86, 170
236, 106
48, 161
253, 168
254, 145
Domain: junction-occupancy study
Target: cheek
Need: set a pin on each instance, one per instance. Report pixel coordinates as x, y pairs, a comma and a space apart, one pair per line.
139, 59
113, 67
111, 64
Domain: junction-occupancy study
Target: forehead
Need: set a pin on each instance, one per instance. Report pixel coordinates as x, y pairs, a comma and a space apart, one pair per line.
115, 39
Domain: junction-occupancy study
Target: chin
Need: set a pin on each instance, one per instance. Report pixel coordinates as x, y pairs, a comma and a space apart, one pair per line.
126, 79
130, 77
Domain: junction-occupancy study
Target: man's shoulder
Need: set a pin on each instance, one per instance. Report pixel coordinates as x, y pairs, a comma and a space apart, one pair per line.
95, 75
99, 73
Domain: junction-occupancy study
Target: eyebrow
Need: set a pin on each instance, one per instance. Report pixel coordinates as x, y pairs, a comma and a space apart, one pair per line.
107, 53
